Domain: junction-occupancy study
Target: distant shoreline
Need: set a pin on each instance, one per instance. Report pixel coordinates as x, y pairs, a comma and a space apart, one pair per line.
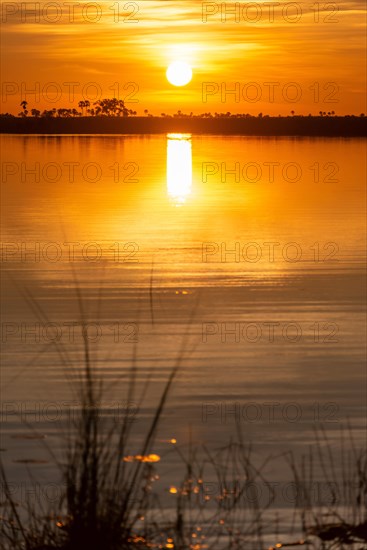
315, 126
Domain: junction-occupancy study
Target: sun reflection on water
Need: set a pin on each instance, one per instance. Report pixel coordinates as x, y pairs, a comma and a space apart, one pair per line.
179, 167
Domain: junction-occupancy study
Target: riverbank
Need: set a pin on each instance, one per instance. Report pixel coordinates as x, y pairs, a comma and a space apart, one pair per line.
256, 126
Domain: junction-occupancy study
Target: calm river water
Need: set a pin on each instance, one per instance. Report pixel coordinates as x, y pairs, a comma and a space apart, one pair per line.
241, 258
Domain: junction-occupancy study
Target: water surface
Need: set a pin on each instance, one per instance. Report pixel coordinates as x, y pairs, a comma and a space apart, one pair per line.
244, 257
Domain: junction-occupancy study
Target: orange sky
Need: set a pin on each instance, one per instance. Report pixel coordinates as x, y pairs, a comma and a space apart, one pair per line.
316, 59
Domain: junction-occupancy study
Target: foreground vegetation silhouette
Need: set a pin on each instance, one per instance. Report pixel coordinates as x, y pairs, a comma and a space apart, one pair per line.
109, 500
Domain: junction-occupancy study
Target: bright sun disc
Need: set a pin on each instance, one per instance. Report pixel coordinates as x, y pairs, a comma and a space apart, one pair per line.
179, 73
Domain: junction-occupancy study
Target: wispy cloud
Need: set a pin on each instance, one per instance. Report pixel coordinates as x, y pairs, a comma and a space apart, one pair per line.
327, 45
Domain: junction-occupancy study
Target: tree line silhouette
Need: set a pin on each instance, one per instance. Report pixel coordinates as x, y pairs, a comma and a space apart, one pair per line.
117, 108
102, 107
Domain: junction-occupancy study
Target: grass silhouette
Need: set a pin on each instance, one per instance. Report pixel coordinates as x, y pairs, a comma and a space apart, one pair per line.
109, 503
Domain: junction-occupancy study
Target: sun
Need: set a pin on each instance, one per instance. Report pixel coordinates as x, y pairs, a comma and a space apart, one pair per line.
179, 73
